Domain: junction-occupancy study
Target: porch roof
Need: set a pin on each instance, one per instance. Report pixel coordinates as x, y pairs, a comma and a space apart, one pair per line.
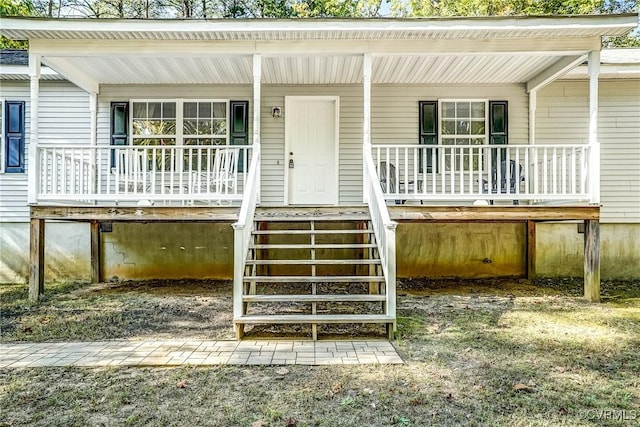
496, 50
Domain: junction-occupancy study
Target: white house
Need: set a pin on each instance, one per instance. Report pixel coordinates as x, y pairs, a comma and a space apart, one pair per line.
486, 139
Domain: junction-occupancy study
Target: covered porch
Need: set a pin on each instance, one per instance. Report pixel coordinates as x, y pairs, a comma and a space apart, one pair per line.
459, 158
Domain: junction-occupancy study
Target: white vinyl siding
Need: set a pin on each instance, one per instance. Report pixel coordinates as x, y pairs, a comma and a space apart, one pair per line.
394, 109
562, 118
64, 118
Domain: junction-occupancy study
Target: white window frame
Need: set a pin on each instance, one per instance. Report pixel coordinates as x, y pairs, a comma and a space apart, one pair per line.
474, 160
441, 136
179, 135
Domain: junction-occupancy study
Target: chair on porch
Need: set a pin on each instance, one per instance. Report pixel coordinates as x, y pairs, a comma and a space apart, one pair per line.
387, 172
131, 171
221, 179
515, 177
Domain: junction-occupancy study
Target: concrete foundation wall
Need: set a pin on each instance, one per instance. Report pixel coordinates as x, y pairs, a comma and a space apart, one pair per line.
67, 252
168, 251
175, 251
460, 250
560, 250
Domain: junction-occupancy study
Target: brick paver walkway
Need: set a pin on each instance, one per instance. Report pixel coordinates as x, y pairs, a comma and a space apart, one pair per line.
196, 352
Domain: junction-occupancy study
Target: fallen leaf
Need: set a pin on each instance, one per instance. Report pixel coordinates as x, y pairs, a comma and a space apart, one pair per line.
522, 388
563, 411
259, 423
282, 371
290, 422
181, 384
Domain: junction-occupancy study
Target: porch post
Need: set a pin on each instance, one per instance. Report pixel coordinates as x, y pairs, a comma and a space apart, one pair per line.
366, 131
594, 143
533, 106
93, 111
592, 260
257, 80
36, 259
32, 161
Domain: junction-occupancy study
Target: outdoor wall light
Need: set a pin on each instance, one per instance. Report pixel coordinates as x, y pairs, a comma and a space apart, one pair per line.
275, 112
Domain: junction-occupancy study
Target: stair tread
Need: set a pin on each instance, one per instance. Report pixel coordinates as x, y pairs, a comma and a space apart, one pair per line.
316, 318
314, 298
303, 232
313, 261
316, 246
313, 279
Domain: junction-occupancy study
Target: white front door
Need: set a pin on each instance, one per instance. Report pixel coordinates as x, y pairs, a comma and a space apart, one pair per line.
311, 150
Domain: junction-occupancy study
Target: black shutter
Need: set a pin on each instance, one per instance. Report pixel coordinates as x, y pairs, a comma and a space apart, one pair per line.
428, 133
498, 127
119, 126
14, 137
239, 127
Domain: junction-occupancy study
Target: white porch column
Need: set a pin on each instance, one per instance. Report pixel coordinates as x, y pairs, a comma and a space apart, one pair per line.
32, 162
366, 130
257, 80
594, 143
93, 112
533, 106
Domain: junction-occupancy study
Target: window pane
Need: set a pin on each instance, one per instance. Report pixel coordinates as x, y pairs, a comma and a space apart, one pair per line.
448, 110
448, 127
139, 110
220, 110
204, 127
190, 127
204, 110
155, 110
463, 127
448, 141
477, 128
219, 127
190, 110
169, 110
218, 141
477, 110
140, 127
463, 110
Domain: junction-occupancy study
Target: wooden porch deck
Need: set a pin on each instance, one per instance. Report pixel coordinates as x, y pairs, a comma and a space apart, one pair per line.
527, 214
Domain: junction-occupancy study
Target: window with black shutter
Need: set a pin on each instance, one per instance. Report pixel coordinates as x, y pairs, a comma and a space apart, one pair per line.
14, 137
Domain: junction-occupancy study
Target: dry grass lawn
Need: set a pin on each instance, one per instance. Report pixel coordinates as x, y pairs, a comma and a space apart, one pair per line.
477, 353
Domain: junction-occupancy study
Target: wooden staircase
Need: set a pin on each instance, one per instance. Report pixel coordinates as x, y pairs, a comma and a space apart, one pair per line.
313, 270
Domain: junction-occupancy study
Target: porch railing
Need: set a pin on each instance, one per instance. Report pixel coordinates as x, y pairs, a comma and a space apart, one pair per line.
483, 172
242, 230
134, 173
384, 229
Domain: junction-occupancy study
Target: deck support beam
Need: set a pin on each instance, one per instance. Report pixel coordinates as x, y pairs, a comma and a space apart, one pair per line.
592, 260
96, 261
531, 250
36, 261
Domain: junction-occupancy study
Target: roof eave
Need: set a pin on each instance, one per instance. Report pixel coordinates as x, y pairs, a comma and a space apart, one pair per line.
21, 28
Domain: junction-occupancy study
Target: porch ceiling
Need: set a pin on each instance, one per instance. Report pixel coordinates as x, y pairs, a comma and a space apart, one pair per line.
338, 69
411, 51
